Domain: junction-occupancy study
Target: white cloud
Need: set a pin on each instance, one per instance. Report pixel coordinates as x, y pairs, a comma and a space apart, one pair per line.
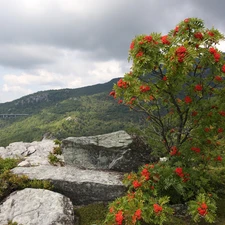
221, 46
10, 92
41, 78
106, 70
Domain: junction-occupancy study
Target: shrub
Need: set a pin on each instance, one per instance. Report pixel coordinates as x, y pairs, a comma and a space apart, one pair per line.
57, 150
177, 80
7, 164
54, 160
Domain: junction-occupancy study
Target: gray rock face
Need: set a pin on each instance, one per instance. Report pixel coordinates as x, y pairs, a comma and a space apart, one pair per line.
37, 207
116, 151
32, 154
81, 186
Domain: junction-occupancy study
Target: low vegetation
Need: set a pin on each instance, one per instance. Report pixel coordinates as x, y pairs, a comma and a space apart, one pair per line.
11, 182
92, 214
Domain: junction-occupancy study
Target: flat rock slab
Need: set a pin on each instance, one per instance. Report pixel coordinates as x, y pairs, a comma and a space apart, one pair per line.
32, 154
81, 186
37, 207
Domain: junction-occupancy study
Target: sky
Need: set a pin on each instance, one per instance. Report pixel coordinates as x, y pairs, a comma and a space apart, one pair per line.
54, 44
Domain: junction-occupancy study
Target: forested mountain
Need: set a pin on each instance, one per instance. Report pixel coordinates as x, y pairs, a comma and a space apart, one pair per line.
63, 113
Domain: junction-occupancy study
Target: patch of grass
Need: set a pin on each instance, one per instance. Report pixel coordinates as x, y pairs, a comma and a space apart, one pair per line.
92, 214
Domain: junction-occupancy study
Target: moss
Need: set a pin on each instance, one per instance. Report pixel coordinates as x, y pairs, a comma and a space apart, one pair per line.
91, 214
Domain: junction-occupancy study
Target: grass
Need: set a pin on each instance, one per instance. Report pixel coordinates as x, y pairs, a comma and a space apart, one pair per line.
92, 214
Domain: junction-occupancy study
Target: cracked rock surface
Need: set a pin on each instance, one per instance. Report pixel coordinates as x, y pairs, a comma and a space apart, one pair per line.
37, 207
117, 151
32, 154
81, 186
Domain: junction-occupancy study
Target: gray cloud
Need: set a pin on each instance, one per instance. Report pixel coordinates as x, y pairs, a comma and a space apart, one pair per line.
104, 28
27, 56
71, 37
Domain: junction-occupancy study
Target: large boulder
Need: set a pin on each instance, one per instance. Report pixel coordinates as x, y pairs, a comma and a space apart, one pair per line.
116, 151
81, 186
37, 207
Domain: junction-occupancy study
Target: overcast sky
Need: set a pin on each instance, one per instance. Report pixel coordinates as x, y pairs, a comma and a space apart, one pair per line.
53, 44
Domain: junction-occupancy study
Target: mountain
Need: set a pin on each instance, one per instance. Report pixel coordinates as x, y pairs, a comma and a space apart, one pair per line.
63, 113
35, 102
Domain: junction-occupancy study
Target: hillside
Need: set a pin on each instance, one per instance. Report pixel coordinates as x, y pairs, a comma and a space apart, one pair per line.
34, 103
62, 113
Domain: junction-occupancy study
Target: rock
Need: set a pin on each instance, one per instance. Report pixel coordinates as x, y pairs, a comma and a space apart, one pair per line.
81, 186
37, 207
116, 151
32, 154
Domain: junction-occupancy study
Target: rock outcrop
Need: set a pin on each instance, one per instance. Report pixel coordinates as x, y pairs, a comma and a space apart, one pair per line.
81, 186
94, 166
37, 207
116, 151
31, 154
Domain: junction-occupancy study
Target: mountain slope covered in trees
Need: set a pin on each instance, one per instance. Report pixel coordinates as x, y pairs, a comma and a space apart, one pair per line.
63, 113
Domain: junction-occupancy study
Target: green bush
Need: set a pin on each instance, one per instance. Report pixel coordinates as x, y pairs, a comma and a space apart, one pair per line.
7, 164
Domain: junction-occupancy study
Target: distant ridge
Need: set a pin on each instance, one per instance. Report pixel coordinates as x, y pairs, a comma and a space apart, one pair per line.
63, 113
41, 99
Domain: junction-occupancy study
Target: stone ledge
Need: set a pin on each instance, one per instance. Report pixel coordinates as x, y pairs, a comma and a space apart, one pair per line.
81, 186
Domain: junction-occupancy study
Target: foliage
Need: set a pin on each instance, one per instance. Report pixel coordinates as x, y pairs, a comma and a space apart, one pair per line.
57, 150
95, 214
177, 81
54, 160
54, 157
57, 142
7, 164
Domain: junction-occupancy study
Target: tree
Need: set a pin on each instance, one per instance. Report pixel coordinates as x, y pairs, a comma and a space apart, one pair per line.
177, 80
